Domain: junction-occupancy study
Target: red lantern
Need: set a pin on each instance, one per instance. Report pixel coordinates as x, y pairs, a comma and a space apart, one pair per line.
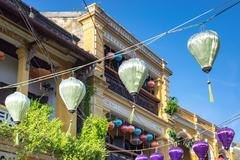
124, 129
111, 126
154, 144
143, 138
2, 56
151, 84
39, 72
110, 55
131, 129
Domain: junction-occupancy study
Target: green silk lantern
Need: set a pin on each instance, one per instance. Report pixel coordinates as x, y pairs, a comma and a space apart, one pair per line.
133, 73
72, 92
204, 47
17, 105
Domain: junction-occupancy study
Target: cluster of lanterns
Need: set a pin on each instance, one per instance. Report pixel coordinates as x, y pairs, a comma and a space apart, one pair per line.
139, 137
225, 136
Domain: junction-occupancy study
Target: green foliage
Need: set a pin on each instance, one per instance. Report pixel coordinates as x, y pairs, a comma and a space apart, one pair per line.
179, 140
89, 92
173, 135
172, 106
92, 139
39, 134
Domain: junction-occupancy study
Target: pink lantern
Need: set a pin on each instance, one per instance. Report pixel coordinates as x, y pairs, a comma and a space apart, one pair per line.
131, 129
143, 138
154, 144
2, 56
151, 84
110, 55
111, 126
124, 129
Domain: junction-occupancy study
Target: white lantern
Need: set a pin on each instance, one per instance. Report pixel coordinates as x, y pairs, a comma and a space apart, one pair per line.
17, 105
133, 73
72, 92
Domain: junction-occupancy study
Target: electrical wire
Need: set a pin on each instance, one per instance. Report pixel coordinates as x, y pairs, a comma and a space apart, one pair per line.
122, 52
86, 6
31, 29
228, 121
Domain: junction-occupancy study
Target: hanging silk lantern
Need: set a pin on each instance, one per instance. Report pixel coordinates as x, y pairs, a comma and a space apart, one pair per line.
151, 84
137, 132
135, 141
143, 138
149, 137
201, 149
133, 73
117, 123
176, 153
131, 129
157, 156
111, 126
72, 92
204, 47
225, 136
118, 57
2, 56
141, 157
124, 129
154, 144
17, 105
110, 55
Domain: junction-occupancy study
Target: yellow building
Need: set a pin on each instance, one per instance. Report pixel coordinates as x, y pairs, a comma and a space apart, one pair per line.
22, 58
100, 34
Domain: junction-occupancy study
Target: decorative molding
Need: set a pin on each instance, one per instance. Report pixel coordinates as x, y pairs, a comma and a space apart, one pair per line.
124, 33
121, 46
191, 125
139, 119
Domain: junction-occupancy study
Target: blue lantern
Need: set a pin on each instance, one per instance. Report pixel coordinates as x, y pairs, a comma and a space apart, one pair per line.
149, 137
118, 122
118, 57
137, 132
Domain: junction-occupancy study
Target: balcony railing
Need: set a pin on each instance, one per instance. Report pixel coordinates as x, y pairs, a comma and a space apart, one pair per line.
143, 99
119, 156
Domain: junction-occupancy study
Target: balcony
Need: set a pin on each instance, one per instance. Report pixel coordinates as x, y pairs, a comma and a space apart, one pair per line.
143, 99
119, 156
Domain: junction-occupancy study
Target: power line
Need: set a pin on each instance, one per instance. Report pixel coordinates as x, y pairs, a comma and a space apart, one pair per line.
123, 51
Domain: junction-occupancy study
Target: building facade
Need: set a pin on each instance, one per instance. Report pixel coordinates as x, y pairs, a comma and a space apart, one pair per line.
29, 53
101, 34
98, 34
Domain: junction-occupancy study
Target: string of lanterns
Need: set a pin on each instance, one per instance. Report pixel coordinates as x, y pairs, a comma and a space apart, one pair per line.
200, 148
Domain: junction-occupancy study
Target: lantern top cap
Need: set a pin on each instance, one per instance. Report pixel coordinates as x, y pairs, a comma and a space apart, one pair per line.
196, 144
206, 32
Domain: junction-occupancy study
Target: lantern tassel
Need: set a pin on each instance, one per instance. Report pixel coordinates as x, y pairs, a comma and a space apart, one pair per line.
69, 128
210, 92
131, 118
17, 139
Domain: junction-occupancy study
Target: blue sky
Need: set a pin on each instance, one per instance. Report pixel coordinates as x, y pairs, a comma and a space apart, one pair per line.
188, 83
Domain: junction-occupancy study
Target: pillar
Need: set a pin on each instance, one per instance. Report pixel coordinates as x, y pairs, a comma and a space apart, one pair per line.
158, 95
23, 69
61, 109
